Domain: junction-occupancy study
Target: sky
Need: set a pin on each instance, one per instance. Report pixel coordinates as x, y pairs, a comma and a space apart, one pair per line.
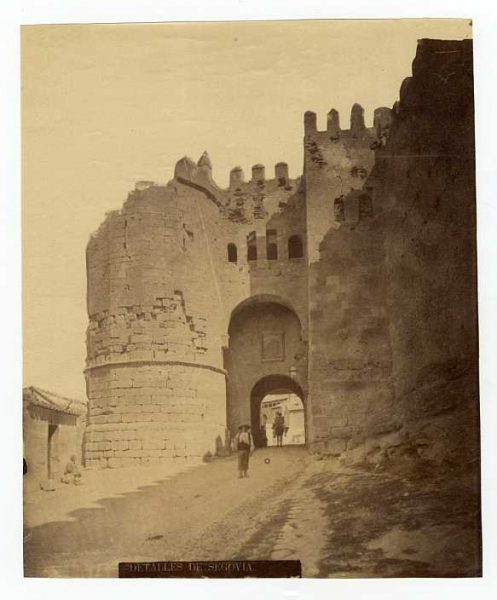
104, 106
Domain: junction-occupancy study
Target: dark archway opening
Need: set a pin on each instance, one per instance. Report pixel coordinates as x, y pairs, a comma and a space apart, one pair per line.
271, 245
252, 246
276, 393
232, 253
295, 247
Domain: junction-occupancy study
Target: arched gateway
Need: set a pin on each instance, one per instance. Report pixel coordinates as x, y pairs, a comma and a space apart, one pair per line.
266, 354
271, 386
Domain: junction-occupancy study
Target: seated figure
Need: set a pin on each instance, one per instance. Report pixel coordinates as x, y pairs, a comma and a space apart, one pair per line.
72, 474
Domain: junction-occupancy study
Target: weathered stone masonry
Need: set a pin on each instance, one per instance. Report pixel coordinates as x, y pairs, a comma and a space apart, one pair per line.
345, 271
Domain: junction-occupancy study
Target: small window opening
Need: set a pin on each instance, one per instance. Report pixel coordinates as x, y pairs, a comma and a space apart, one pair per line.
295, 247
251, 246
271, 245
232, 253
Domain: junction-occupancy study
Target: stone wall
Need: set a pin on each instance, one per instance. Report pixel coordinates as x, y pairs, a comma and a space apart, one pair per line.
424, 188
383, 288
161, 293
155, 377
393, 312
67, 440
283, 276
145, 413
336, 161
350, 362
350, 358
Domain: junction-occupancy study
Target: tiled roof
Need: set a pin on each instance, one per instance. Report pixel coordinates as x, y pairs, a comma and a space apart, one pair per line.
38, 397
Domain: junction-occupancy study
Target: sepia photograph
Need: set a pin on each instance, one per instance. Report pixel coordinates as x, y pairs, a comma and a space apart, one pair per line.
250, 312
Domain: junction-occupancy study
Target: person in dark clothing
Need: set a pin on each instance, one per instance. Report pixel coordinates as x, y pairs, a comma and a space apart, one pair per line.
244, 445
279, 428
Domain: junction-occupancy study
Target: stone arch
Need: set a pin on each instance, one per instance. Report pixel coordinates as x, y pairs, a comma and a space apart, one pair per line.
274, 383
262, 299
265, 340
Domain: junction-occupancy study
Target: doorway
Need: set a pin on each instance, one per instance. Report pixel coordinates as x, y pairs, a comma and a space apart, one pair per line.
266, 354
52, 450
273, 395
289, 407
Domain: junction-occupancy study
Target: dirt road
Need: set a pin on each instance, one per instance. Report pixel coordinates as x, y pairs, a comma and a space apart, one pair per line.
339, 521
205, 513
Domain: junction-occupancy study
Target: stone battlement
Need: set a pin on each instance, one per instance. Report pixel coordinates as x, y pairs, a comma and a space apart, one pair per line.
200, 174
237, 177
382, 119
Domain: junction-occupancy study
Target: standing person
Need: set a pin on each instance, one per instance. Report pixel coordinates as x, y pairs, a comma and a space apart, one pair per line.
245, 446
279, 428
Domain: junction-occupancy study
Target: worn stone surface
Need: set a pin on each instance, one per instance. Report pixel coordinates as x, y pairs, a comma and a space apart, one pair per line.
427, 212
393, 319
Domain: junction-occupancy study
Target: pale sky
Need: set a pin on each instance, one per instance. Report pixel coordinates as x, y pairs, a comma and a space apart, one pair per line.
107, 105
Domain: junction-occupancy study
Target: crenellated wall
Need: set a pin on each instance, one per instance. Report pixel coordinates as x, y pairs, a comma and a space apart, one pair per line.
424, 187
393, 312
355, 284
161, 293
336, 161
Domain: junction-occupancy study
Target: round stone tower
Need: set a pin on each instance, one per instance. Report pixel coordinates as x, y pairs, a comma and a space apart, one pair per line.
155, 379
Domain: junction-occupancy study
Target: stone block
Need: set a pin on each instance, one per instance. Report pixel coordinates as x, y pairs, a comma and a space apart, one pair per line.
153, 444
154, 453
114, 418
133, 453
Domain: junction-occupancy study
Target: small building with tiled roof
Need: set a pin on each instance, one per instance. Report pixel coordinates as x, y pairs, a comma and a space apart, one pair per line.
53, 430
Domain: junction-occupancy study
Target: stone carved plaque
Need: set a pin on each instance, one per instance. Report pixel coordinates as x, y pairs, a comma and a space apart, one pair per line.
273, 346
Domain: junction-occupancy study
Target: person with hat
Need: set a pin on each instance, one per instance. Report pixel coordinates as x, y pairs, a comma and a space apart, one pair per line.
244, 445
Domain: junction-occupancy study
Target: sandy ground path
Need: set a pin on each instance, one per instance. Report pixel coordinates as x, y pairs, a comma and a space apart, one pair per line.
203, 513
399, 520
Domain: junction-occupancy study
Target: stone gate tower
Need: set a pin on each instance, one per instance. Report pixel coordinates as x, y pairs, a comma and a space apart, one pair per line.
154, 375
202, 300
198, 299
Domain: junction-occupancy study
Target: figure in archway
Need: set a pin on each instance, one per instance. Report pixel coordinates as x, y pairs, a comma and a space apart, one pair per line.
244, 445
279, 428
